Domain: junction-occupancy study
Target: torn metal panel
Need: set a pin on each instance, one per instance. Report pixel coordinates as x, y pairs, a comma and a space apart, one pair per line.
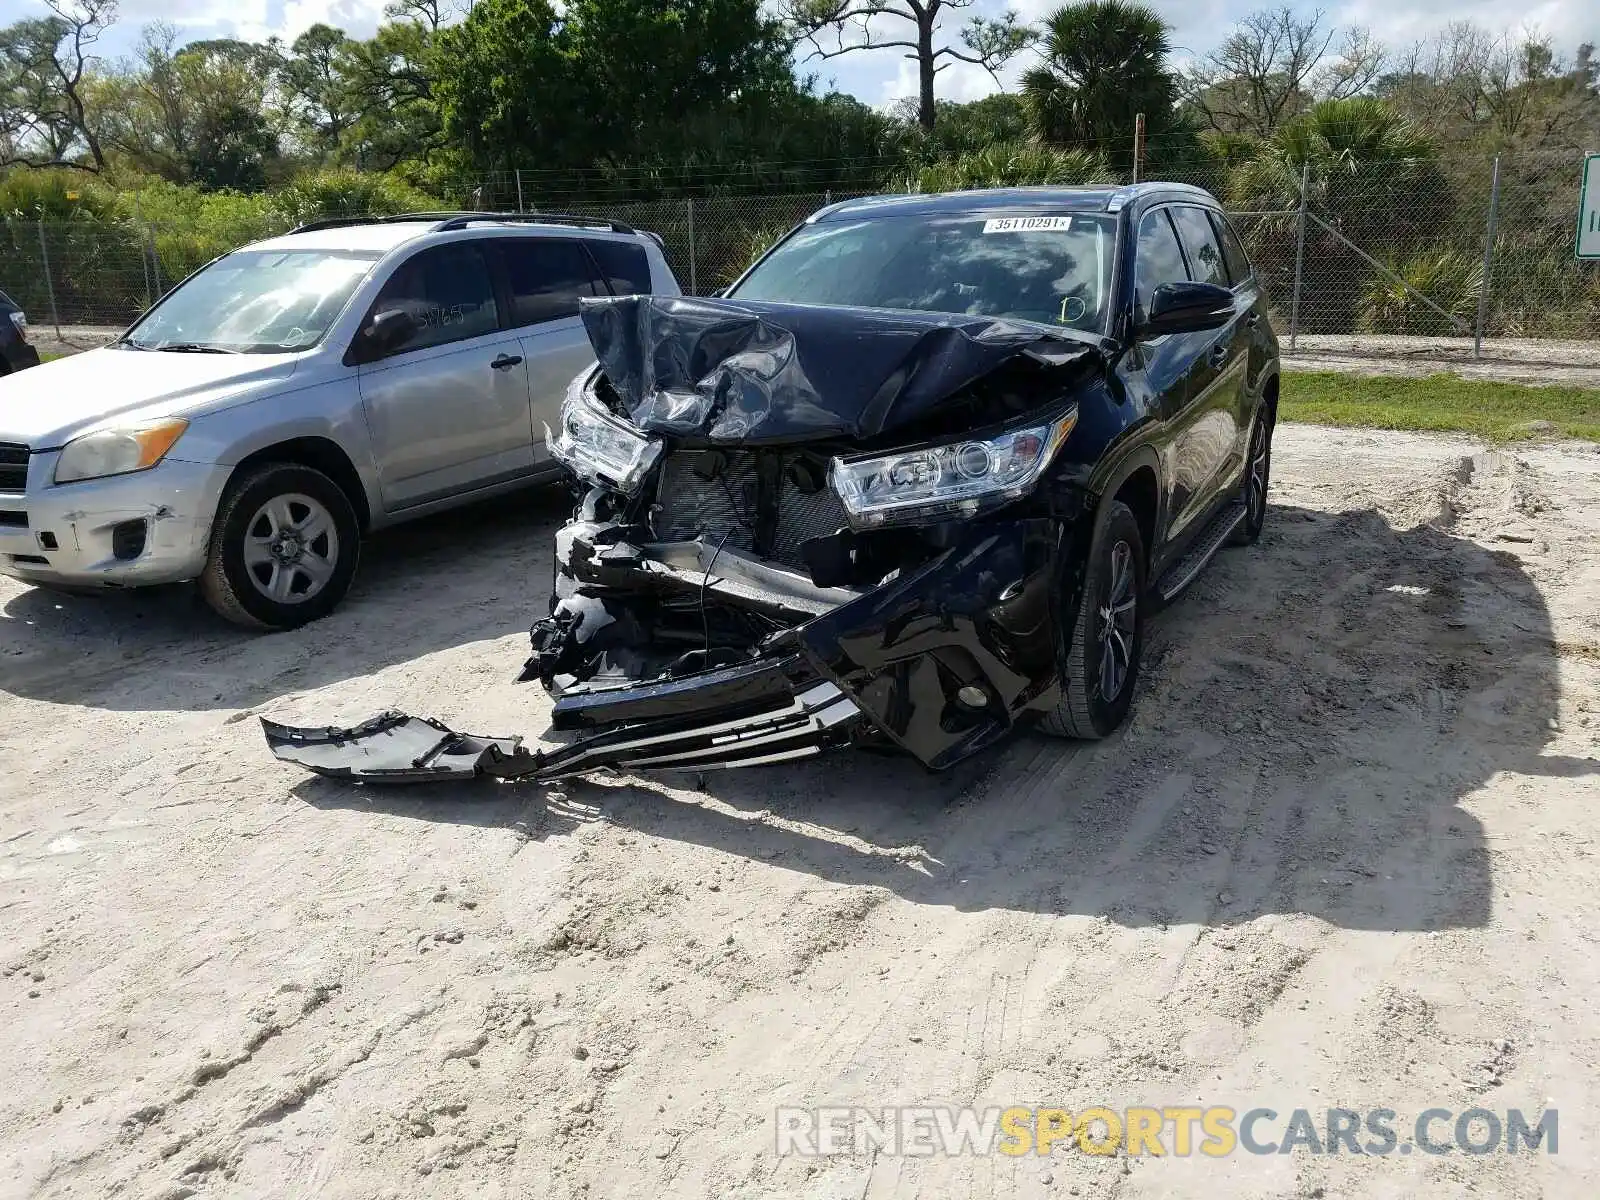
395, 748
759, 373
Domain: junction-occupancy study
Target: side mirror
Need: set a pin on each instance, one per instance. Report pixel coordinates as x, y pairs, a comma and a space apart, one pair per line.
1187, 308
385, 333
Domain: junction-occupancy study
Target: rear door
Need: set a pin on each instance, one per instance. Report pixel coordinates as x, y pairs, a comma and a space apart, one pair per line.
1250, 299
1168, 363
448, 410
545, 278
1213, 448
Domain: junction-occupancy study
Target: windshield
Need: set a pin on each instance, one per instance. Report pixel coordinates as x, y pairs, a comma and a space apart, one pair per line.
1049, 267
255, 301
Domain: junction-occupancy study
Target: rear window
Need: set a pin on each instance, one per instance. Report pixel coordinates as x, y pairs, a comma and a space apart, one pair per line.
1232, 249
1200, 244
624, 265
548, 276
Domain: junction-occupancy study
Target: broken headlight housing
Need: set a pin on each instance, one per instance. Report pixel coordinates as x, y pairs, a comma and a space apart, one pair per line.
957, 480
597, 446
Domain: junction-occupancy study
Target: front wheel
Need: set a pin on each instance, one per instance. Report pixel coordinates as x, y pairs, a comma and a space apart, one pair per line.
283, 548
1103, 657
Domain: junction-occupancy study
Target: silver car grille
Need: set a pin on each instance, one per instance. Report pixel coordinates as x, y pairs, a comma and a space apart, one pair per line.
13, 467
726, 504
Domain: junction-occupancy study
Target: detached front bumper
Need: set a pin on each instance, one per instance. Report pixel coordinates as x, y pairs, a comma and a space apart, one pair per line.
395, 748
149, 527
941, 661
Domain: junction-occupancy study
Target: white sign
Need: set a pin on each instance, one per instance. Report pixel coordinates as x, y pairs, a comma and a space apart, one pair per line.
1589, 209
1047, 224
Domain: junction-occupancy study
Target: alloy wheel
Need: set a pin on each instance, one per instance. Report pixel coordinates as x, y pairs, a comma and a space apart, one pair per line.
1118, 615
1256, 488
291, 548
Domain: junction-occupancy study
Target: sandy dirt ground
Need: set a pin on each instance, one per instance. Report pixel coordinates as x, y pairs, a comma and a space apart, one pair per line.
1346, 853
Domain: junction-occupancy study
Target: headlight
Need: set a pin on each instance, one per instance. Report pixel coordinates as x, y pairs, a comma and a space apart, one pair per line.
20, 320
958, 480
598, 447
118, 451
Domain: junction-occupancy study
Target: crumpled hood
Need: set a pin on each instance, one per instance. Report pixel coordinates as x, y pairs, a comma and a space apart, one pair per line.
757, 373
47, 405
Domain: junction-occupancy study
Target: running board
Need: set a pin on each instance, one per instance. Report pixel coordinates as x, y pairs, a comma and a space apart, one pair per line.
1212, 538
396, 748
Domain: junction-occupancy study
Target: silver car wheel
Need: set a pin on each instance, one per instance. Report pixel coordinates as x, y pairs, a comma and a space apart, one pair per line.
291, 548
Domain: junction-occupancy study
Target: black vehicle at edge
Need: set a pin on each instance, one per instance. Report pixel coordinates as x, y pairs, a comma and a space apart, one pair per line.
15, 353
808, 524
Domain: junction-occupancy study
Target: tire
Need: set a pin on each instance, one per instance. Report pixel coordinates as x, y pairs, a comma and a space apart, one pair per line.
284, 548
1116, 570
1257, 479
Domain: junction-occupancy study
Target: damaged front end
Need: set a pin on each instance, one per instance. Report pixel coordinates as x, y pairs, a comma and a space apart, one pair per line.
802, 527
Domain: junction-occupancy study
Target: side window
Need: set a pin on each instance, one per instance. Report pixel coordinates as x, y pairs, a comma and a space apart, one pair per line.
1200, 244
624, 265
1232, 249
1157, 259
547, 276
447, 290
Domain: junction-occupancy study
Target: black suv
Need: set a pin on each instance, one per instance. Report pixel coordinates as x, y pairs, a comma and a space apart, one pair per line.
917, 477
15, 353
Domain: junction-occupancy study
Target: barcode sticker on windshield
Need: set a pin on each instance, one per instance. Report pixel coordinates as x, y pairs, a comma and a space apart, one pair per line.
1027, 225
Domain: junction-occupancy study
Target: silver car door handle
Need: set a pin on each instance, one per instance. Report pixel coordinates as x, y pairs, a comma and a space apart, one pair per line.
505, 361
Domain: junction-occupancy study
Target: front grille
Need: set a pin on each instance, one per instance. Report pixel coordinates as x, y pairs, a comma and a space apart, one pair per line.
724, 494
13, 467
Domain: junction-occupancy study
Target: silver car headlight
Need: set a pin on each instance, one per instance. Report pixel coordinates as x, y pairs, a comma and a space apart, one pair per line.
118, 451
957, 480
598, 447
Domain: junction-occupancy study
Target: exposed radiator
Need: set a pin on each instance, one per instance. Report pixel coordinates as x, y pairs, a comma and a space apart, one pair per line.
712, 493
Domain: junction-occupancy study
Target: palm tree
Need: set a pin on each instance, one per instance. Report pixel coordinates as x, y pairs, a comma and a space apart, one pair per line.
1103, 63
1373, 177
1012, 164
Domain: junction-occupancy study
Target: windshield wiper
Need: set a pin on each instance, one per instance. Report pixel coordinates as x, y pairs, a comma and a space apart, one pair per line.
194, 348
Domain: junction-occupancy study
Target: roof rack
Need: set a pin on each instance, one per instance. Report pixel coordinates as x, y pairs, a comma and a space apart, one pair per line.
447, 221
397, 218
462, 220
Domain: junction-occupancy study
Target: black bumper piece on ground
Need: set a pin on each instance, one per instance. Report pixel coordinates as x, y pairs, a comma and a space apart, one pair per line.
395, 748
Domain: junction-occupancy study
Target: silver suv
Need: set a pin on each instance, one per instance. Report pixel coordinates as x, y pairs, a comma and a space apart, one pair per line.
298, 392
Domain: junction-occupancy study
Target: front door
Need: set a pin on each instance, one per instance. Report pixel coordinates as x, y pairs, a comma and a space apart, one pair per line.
448, 409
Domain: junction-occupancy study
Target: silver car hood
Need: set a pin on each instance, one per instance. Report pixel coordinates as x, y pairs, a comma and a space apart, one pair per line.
46, 406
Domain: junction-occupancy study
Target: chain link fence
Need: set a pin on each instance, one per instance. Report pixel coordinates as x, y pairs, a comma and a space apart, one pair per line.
1397, 258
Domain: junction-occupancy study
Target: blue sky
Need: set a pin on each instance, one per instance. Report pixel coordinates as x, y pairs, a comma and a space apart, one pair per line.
880, 77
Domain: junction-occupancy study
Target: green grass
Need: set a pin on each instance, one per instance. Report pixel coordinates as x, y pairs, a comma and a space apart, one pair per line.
1499, 411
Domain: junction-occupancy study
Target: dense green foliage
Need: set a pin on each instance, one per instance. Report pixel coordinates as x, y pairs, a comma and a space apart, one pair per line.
637, 106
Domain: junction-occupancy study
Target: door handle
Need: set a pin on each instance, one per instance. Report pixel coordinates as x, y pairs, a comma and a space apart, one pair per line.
1253, 320
1219, 354
505, 361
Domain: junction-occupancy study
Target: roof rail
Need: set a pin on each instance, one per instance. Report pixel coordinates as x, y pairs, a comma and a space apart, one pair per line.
371, 219
462, 220
447, 221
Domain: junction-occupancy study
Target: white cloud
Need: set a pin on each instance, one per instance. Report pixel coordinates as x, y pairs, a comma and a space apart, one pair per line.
960, 81
358, 18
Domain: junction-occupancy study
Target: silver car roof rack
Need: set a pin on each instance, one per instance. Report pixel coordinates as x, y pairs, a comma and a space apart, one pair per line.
446, 221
